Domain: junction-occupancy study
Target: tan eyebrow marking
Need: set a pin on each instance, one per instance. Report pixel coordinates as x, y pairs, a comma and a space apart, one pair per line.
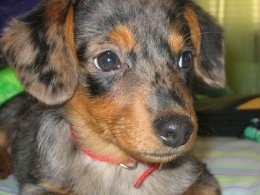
123, 37
175, 40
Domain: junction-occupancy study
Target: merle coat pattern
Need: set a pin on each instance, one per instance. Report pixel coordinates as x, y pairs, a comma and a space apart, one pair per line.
119, 76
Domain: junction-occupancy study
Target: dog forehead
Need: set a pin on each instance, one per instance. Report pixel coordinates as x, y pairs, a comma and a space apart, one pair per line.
153, 25
96, 18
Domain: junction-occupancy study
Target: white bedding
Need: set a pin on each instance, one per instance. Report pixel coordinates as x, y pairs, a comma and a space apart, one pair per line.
235, 163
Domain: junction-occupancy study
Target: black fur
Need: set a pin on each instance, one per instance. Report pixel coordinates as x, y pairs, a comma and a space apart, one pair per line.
130, 112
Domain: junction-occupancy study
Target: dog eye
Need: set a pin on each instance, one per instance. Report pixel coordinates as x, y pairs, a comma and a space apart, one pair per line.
107, 61
185, 60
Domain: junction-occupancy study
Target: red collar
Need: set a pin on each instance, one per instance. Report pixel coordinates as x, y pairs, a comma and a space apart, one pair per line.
130, 165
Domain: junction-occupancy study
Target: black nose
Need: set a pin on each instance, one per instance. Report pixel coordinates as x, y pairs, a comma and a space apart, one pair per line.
174, 130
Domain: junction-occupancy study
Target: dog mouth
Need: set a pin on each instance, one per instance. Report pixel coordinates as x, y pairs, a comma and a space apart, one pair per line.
157, 157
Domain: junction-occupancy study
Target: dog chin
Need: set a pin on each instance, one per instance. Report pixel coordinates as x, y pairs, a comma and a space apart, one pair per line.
161, 157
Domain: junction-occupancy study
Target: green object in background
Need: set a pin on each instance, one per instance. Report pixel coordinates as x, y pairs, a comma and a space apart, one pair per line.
252, 133
252, 130
9, 85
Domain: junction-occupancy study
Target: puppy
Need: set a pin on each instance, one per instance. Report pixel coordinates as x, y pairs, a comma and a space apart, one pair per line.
108, 106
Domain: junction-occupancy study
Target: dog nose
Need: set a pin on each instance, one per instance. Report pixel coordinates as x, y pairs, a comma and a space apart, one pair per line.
174, 130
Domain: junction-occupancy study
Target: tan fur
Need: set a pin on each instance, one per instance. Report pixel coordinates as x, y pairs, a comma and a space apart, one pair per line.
122, 37
69, 34
193, 23
54, 10
3, 138
106, 79
175, 40
118, 129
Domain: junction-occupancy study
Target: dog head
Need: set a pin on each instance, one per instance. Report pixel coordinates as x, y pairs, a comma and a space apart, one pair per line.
123, 69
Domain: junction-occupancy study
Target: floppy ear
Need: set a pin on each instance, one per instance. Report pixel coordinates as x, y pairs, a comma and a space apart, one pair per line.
40, 48
208, 37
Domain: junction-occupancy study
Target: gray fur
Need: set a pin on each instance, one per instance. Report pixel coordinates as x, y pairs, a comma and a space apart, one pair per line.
57, 160
55, 62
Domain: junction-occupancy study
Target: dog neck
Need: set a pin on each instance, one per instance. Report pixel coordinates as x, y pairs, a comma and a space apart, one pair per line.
130, 164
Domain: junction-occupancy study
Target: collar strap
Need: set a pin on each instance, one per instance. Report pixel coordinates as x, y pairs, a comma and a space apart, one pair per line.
145, 174
102, 158
130, 165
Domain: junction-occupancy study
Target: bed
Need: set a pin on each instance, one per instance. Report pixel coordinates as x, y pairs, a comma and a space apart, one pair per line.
235, 162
